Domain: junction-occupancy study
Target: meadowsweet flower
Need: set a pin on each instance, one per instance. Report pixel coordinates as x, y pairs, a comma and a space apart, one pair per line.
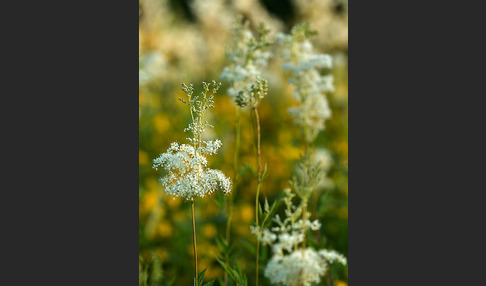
310, 86
301, 267
187, 175
186, 165
247, 58
331, 256
293, 263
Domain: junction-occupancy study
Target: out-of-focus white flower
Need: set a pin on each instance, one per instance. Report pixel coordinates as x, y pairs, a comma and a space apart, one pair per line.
331, 256
292, 263
301, 267
248, 56
310, 86
265, 236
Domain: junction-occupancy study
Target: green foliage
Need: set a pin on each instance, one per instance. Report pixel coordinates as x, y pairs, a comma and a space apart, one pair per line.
200, 278
235, 273
150, 273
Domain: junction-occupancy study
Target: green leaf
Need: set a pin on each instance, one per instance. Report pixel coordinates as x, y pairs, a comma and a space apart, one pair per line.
200, 277
259, 211
222, 244
210, 283
232, 273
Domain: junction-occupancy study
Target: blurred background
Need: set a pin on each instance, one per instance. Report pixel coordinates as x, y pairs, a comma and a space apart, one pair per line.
184, 42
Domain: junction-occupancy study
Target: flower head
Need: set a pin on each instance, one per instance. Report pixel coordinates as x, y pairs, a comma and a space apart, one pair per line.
247, 57
311, 87
186, 165
292, 263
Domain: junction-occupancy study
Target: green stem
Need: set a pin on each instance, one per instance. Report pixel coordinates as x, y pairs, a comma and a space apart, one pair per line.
194, 242
328, 277
259, 159
257, 251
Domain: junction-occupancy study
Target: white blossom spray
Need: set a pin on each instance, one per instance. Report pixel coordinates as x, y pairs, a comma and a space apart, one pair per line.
186, 164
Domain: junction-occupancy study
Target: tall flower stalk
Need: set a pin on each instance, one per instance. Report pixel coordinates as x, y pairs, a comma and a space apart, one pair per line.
252, 99
187, 175
293, 263
310, 91
247, 57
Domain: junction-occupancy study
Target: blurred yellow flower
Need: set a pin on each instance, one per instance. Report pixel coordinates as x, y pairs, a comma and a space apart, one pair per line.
161, 123
209, 230
164, 229
142, 157
340, 283
213, 273
148, 201
151, 184
342, 148
246, 212
162, 253
243, 229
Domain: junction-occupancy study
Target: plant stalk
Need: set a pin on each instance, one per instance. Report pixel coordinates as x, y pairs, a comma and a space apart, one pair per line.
194, 243
259, 159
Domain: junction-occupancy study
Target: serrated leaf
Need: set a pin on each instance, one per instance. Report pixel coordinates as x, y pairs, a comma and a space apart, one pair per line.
232, 273
222, 245
200, 277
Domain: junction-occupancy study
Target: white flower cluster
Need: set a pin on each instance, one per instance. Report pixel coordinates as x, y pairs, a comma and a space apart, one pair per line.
247, 57
292, 263
331, 256
301, 267
311, 87
187, 175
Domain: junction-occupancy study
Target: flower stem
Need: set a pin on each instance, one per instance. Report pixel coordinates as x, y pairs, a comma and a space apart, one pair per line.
328, 277
257, 251
259, 159
194, 243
